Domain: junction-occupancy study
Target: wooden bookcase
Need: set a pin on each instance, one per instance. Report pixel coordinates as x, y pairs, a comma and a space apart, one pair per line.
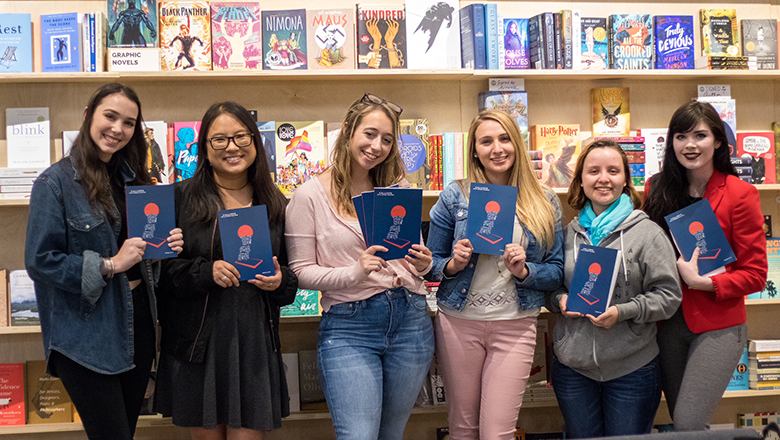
447, 98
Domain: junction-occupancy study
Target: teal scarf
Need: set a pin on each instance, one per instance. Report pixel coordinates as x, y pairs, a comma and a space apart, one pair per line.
599, 227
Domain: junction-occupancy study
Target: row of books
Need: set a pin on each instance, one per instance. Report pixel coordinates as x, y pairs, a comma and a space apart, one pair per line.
28, 395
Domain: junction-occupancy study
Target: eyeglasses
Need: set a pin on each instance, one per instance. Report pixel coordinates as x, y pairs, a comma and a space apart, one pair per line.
370, 97
241, 140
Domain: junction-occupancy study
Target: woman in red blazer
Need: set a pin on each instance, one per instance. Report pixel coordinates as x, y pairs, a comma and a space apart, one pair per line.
702, 343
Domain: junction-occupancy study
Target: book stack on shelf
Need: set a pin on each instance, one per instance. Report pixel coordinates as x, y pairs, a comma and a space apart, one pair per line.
764, 364
29, 395
634, 147
759, 420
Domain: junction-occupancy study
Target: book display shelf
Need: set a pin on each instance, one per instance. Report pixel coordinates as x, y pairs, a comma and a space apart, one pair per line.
447, 98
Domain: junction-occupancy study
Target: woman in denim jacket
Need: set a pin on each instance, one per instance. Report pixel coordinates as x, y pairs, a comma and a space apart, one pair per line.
486, 328
95, 292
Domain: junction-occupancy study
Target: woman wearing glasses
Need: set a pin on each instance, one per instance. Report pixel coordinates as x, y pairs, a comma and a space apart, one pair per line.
221, 371
376, 340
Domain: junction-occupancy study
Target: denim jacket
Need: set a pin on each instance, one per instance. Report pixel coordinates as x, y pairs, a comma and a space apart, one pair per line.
448, 225
84, 317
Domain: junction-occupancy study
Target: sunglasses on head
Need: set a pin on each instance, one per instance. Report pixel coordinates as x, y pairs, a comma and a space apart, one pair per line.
373, 99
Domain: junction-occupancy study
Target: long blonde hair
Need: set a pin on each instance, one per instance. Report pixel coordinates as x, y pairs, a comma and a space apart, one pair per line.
533, 209
387, 173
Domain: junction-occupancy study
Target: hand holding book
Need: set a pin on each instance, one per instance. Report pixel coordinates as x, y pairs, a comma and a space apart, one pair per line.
689, 272
514, 259
461, 255
369, 262
269, 283
225, 274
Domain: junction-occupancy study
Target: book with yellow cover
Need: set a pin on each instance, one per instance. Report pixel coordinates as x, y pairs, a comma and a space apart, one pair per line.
560, 147
719, 32
47, 400
611, 115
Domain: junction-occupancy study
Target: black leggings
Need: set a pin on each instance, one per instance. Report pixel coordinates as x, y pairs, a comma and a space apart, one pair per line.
109, 404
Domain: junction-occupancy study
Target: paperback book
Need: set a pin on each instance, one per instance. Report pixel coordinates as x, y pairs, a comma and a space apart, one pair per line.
185, 35
516, 52
491, 217
290, 361
16, 43
267, 131
284, 40
28, 136
560, 146
236, 39
415, 146
433, 34
307, 303
47, 401
132, 23
185, 149
246, 241
594, 44
60, 44
515, 104
156, 136
24, 305
381, 36
611, 111
696, 226
631, 41
301, 153
593, 282
151, 215
391, 217
12, 410
727, 110
674, 47
770, 290
5, 300
739, 380
759, 41
331, 34
719, 32
309, 377
655, 144
759, 148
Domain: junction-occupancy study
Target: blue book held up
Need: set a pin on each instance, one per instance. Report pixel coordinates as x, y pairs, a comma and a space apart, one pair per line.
593, 282
397, 219
246, 241
151, 215
491, 220
673, 41
15, 43
60, 43
696, 226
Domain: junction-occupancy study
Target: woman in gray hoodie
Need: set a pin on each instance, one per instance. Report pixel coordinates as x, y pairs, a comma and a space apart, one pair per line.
605, 371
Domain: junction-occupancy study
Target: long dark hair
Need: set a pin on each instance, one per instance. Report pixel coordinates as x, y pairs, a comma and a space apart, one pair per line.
85, 154
204, 192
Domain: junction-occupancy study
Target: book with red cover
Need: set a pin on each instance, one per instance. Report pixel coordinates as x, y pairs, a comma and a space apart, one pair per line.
12, 394
760, 147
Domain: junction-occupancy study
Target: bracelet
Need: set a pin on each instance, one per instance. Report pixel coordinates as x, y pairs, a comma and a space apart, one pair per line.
109, 265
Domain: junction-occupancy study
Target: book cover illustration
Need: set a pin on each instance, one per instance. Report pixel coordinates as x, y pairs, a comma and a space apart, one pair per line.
12, 411
300, 153
381, 36
739, 380
284, 40
515, 104
696, 226
491, 220
727, 110
246, 241
611, 115
267, 131
655, 145
759, 148
185, 149
631, 41
516, 55
396, 218
132, 23
674, 47
307, 303
27, 133
60, 46
594, 44
414, 145
433, 34
47, 400
151, 216
593, 282
331, 34
719, 32
560, 146
156, 136
236, 40
24, 305
759, 40
185, 35
16, 43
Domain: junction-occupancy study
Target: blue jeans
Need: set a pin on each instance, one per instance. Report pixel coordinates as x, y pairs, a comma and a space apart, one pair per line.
373, 356
622, 406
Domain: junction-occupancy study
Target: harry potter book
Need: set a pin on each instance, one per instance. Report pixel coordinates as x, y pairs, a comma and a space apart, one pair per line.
185, 35
611, 115
631, 41
331, 34
237, 43
560, 148
381, 36
719, 32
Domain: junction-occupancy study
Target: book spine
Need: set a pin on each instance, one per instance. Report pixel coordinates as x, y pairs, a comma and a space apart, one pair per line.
766, 377
501, 48
467, 50
458, 156
491, 23
448, 151
611, 41
535, 44
558, 35
576, 35
465, 155
549, 40
92, 43
84, 41
478, 22
567, 39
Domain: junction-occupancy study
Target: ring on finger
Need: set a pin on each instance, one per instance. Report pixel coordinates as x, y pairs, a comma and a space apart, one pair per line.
224, 277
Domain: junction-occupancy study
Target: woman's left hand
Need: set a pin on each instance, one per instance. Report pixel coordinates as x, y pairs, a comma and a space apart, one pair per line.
606, 319
514, 259
269, 283
689, 272
419, 257
176, 240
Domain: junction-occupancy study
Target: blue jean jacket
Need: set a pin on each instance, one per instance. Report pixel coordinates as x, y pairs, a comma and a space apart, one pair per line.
85, 318
448, 225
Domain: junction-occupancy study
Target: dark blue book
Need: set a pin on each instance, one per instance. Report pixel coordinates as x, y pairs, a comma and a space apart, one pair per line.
472, 36
491, 221
246, 241
60, 43
357, 201
151, 215
591, 286
696, 226
397, 217
673, 41
268, 139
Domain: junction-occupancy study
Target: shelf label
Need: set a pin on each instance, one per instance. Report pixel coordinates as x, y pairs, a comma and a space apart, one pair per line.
714, 90
133, 59
506, 84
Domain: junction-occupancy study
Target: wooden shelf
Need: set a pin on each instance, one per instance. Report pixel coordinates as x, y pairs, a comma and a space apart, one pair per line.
762, 302
20, 330
143, 422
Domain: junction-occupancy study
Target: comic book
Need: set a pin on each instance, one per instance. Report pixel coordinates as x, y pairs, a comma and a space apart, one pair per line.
331, 34
719, 32
631, 41
185, 35
284, 40
560, 147
759, 40
301, 153
185, 150
381, 36
156, 134
594, 46
132, 23
513, 103
611, 116
415, 146
236, 40
673, 41
433, 34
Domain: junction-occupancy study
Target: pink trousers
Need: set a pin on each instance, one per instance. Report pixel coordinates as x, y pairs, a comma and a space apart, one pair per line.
485, 366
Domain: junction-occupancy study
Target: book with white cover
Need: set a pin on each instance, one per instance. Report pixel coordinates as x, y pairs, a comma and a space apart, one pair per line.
433, 34
291, 373
27, 132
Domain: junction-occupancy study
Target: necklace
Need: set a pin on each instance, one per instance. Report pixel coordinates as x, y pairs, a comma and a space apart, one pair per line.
232, 189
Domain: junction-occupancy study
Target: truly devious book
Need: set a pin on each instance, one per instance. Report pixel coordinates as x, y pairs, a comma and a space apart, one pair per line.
331, 34
151, 215
593, 282
611, 111
381, 36
184, 143
491, 217
284, 40
759, 148
560, 146
674, 45
759, 42
631, 41
60, 43
415, 145
433, 34
236, 38
132, 23
16, 53
719, 32
594, 44
301, 153
185, 35
246, 241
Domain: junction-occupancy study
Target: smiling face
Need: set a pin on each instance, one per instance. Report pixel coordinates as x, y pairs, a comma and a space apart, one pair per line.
695, 148
232, 161
113, 124
495, 151
372, 141
603, 178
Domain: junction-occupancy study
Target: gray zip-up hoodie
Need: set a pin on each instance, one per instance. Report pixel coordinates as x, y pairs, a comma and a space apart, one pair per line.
647, 290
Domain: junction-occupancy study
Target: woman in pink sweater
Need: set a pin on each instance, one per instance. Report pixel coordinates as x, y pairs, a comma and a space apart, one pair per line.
376, 340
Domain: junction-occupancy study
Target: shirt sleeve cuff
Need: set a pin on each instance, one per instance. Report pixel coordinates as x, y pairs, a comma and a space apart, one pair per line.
92, 282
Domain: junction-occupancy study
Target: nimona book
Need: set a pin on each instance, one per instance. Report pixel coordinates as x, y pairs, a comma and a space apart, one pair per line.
151, 216
696, 226
246, 241
491, 219
593, 282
